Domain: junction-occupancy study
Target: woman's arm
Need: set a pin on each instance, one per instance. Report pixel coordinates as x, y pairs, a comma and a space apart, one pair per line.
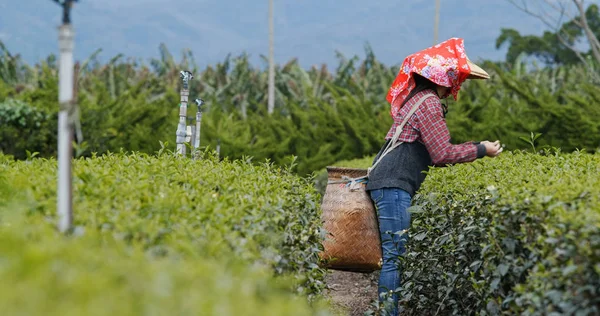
436, 137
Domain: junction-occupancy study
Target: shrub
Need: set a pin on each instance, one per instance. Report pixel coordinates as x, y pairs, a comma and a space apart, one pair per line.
176, 212
44, 273
24, 128
321, 176
321, 115
518, 234
561, 104
317, 133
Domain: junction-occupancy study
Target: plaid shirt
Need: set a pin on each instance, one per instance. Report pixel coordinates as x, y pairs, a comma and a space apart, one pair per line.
428, 127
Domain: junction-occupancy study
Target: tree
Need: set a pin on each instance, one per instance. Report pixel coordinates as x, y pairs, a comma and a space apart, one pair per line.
546, 48
558, 46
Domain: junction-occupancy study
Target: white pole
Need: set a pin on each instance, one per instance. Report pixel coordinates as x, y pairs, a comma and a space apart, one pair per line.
436, 23
65, 131
186, 76
199, 103
198, 123
271, 101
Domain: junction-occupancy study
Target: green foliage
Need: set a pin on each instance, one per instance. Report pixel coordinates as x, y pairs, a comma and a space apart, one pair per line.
531, 140
46, 274
158, 229
518, 234
320, 116
321, 176
551, 48
546, 48
554, 102
364, 163
24, 128
318, 133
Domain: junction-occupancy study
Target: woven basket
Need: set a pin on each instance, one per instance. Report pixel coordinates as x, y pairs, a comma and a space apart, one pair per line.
352, 242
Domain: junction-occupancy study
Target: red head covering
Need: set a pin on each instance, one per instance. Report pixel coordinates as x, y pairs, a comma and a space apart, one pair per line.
445, 64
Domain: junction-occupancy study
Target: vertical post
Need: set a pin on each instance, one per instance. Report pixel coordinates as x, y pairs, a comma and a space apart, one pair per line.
193, 137
271, 101
436, 22
189, 132
181, 133
199, 102
65, 129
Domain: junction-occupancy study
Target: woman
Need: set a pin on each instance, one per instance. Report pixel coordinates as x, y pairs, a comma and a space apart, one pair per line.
417, 139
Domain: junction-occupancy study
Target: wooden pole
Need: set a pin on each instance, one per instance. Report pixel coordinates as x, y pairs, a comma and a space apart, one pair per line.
271, 101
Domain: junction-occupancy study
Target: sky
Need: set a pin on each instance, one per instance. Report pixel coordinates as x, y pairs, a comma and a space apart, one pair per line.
310, 30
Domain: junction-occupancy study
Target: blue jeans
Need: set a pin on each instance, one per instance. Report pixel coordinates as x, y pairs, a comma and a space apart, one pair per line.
391, 205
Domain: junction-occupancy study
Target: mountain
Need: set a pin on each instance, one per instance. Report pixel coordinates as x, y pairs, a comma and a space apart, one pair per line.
311, 30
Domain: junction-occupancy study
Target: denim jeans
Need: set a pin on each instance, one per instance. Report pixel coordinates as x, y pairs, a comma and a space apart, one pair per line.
391, 205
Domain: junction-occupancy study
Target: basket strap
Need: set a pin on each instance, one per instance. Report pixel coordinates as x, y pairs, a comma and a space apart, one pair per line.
353, 183
346, 179
390, 146
394, 142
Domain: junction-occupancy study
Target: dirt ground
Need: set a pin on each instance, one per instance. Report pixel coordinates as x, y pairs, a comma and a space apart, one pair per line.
352, 293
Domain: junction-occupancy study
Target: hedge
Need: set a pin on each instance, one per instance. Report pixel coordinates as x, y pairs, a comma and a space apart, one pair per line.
321, 114
517, 234
26, 128
165, 234
45, 274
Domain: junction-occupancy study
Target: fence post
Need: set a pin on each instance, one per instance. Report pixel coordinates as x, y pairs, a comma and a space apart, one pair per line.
65, 119
181, 133
199, 103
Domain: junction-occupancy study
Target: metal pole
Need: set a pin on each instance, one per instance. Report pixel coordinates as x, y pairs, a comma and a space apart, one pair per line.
65, 130
181, 133
271, 101
436, 23
199, 102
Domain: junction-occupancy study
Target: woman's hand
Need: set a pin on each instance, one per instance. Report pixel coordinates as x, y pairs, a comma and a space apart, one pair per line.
492, 149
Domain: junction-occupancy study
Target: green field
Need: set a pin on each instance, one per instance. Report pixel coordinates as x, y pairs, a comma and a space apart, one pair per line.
238, 232
517, 234
158, 235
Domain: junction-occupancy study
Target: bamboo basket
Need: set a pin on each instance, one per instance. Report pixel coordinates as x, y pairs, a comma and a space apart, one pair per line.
352, 241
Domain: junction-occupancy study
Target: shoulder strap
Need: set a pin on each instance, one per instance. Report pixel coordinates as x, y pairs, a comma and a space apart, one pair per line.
394, 142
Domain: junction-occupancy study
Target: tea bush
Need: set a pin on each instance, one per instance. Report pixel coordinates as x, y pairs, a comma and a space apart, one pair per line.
166, 233
45, 274
25, 127
321, 175
518, 234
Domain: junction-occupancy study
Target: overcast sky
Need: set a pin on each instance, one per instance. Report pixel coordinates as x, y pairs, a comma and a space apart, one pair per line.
311, 30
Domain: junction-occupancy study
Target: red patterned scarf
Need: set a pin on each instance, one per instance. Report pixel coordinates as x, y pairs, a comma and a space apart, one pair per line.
445, 64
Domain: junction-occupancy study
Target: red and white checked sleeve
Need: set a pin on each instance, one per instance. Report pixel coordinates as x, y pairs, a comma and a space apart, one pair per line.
436, 137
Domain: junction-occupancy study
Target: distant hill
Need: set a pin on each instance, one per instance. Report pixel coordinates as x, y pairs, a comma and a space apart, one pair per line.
308, 29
